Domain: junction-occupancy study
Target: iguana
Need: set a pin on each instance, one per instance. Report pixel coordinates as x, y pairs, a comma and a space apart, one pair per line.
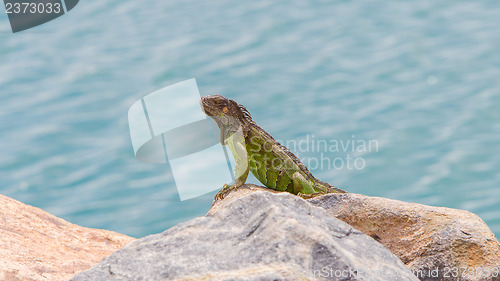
257, 151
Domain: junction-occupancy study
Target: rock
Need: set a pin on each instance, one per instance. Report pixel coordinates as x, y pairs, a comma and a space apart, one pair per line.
436, 243
447, 243
35, 245
260, 236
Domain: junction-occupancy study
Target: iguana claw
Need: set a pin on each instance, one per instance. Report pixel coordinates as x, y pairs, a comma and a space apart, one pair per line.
223, 192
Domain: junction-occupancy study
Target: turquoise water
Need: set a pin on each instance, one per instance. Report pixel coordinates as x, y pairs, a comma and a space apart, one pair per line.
421, 80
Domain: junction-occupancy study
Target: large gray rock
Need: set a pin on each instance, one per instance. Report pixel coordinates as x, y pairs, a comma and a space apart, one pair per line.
435, 243
261, 236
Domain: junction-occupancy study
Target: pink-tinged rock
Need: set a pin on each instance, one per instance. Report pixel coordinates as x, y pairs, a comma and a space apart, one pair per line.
35, 245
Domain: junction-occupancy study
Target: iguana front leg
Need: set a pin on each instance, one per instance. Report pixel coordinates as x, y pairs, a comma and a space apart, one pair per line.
241, 169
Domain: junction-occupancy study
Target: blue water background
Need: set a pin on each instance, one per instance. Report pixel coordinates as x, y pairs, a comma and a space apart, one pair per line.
420, 78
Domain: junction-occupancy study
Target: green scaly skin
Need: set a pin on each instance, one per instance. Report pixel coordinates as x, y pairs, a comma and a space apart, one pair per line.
255, 150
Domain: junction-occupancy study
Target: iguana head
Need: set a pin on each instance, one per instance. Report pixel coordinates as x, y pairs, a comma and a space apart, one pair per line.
229, 115
224, 111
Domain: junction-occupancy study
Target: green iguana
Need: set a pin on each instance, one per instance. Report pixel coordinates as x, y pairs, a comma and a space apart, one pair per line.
255, 150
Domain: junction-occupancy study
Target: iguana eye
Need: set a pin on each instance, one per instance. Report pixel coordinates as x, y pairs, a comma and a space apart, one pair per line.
224, 120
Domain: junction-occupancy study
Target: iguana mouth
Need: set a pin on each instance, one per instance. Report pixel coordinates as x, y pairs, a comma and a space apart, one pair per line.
205, 107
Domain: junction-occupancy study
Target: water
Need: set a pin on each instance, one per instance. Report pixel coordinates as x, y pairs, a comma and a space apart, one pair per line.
420, 79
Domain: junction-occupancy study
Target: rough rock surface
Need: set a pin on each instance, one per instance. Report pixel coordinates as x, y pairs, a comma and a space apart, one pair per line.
436, 243
35, 245
449, 244
261, 236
